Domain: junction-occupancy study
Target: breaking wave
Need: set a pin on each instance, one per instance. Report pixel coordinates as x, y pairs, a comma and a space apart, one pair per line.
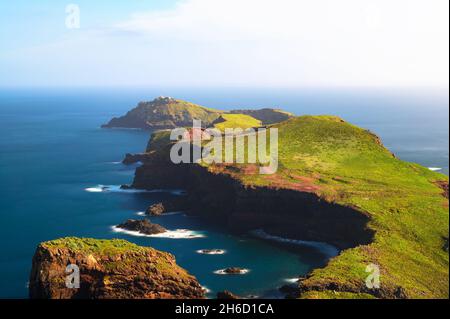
211, 251
292, 280
171, 234
326, 249
118, 189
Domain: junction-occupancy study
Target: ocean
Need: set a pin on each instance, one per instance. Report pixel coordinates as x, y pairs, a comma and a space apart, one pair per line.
54, 155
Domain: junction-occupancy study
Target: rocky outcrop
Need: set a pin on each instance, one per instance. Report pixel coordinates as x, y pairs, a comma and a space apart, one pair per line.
155, 210
142, 226
233, 271
444, 186
168, 206
226, 295
108, 269
133, 159
290, 291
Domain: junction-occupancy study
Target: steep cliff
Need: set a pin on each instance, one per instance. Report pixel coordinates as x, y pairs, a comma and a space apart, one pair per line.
109, 269
336, 183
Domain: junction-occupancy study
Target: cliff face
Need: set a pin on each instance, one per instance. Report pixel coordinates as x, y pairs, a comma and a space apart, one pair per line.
109, 269
220, 198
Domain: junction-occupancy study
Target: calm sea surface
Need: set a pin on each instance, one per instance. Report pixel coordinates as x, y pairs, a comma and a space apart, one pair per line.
52, 149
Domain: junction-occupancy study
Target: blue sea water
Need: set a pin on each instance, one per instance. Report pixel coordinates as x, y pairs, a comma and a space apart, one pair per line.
52, 149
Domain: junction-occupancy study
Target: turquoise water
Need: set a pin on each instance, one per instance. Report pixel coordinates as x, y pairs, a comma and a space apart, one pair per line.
52, 149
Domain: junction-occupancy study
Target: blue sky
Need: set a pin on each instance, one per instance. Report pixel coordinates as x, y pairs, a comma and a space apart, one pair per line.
283, 43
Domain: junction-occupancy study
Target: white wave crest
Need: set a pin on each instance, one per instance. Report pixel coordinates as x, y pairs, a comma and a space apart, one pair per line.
118, 189
172, 234
326, 249
206, 290
292, 280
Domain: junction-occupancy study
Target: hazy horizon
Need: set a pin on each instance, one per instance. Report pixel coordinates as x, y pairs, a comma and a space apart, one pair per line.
225, 43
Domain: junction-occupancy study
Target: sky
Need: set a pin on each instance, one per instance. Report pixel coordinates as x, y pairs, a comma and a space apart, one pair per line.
237, 43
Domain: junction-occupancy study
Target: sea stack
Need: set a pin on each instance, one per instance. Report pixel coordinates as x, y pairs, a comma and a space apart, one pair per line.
108, 269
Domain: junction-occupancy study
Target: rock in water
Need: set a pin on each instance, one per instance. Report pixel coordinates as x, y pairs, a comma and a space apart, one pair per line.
234, 271
142, 226
167, 206
109, 269
226, 295
156, 210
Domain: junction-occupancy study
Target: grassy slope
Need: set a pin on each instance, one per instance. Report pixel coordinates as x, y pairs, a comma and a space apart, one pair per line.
180, 108
132, 254
95, 246
408, 212
170, 113
237, 121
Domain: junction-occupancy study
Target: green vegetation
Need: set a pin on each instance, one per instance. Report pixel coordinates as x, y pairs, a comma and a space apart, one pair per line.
186, 111
95, 246
348, 165
230, 121
165, 113
335, 295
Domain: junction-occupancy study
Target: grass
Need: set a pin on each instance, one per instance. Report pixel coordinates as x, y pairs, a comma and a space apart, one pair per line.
95, 246
230, 121
406, 209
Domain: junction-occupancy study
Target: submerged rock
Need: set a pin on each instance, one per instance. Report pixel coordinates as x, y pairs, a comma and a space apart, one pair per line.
142, 226
108, 269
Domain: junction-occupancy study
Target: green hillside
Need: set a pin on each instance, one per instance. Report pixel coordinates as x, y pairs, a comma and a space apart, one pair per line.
405, 202
165, 113
242, 121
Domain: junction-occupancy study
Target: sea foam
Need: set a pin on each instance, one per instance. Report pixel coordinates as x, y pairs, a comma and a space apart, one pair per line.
326, 249
211, 251
171, 234
292, 280
118, 189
